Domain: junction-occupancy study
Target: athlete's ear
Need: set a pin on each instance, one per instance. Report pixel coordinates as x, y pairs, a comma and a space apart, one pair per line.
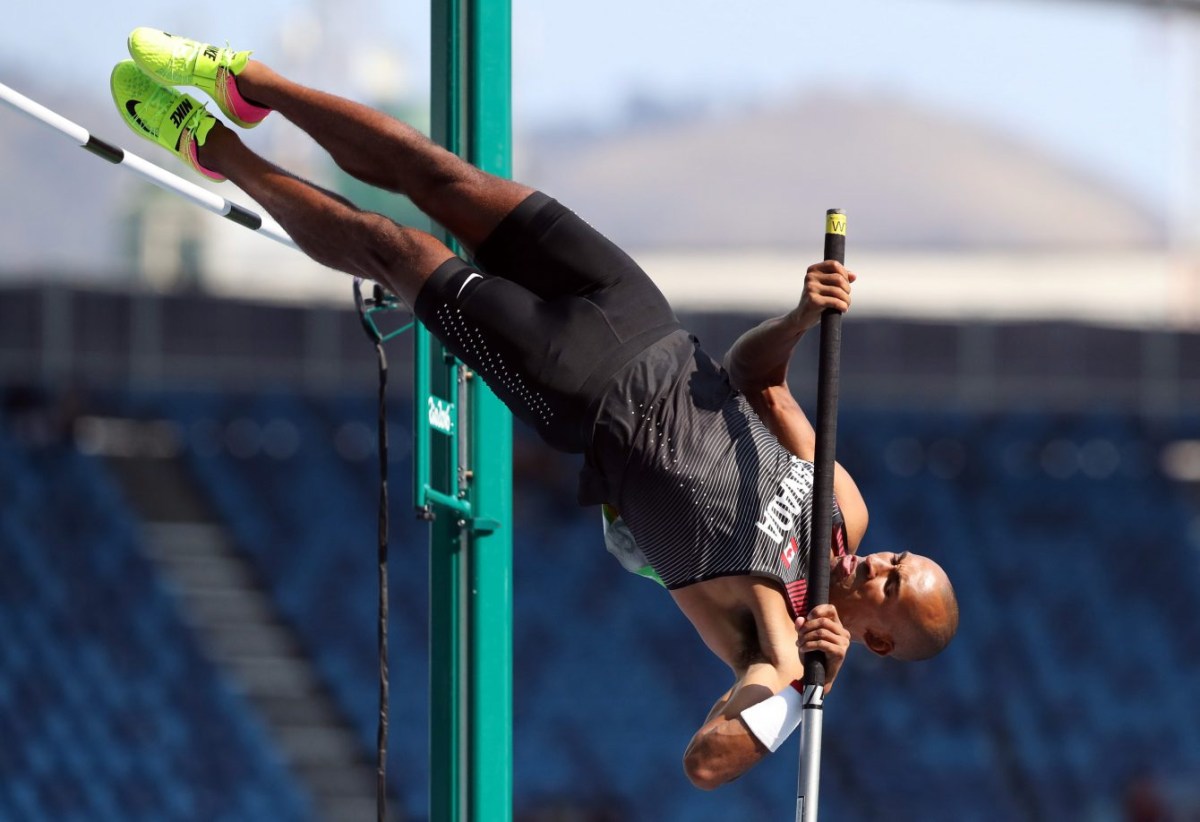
880, 644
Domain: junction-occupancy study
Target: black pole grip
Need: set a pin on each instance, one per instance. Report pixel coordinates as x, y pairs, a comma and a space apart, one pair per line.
826, 447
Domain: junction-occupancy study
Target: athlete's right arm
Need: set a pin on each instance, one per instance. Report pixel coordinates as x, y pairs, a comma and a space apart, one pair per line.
759, 359
757, 366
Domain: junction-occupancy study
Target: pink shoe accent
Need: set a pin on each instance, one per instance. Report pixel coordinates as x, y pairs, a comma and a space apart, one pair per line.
193, 154
242, 108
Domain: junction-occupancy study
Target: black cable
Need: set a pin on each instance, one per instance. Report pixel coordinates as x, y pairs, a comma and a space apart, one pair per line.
380, 301
382, 733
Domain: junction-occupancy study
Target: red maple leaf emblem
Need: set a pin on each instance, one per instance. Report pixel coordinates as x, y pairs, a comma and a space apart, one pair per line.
789, 552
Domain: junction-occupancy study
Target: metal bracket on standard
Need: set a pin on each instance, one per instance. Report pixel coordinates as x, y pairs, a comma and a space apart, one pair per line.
436, 499
459, 506
484, 525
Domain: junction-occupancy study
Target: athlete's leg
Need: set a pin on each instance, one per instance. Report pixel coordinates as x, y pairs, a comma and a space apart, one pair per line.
389, 154
542, 247
521, 345
537, 355
327, 227
509, 230
368, 144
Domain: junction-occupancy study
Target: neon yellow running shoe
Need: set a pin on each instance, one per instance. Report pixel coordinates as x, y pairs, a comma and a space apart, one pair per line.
178, 61
172, 119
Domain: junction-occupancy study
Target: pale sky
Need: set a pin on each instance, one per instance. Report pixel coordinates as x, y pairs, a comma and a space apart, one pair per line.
1107, 87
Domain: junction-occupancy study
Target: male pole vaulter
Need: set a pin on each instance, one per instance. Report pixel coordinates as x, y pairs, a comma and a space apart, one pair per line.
710, 467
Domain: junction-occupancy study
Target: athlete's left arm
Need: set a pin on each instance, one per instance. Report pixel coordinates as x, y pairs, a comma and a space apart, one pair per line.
724, 748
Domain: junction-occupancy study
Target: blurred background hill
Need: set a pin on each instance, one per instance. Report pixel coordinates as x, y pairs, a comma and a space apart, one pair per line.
913, 177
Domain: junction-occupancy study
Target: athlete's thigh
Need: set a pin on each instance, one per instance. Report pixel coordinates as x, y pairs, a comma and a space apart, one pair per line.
535, 354
550, 250
545, 247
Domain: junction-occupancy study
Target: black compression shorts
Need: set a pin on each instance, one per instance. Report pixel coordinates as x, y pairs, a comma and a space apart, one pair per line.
552, 311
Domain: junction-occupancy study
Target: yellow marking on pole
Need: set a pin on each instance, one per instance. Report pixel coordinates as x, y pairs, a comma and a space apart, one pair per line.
835, 224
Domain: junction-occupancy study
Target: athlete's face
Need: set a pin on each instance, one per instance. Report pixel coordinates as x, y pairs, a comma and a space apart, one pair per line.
882, 597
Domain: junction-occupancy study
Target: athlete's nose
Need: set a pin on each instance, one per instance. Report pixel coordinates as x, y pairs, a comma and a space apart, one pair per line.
875, 565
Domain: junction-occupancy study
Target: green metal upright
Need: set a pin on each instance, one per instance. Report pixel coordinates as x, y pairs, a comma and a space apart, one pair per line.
464, 462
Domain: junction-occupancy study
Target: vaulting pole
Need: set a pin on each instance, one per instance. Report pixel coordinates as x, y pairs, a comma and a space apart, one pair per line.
822, 527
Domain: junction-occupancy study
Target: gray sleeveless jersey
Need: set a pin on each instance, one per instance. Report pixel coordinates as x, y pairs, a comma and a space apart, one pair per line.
704, 488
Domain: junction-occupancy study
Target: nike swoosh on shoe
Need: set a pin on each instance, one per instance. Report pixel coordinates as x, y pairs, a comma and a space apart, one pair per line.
131, 107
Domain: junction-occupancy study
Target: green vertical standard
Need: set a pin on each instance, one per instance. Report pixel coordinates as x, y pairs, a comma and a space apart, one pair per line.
491, 439
471, 559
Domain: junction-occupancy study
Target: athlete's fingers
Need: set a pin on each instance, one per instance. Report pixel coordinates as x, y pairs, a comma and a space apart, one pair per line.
822, 635
828, 619
831, 286
812, 623
831, 291
817, 614
831, 294
832, 649
823, 624
828, 266
823, 631
835, 287
823, 302
817, 645
816, 632
840, 277
827, 646
826, 611
826, 287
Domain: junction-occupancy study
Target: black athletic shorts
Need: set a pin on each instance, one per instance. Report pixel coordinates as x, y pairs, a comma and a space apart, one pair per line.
552, 310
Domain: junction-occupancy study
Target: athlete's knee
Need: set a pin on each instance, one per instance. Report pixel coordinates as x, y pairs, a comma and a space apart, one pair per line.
473, 204
379, 240
385, 238
394, 254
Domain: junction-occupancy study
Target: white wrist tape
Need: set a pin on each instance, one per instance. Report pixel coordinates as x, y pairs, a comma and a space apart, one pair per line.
773, 720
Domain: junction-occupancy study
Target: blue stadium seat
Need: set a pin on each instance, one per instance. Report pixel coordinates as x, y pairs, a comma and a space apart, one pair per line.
1027, 714
96, 665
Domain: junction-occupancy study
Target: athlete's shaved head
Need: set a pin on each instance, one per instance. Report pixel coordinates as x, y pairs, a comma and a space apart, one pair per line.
899, 605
